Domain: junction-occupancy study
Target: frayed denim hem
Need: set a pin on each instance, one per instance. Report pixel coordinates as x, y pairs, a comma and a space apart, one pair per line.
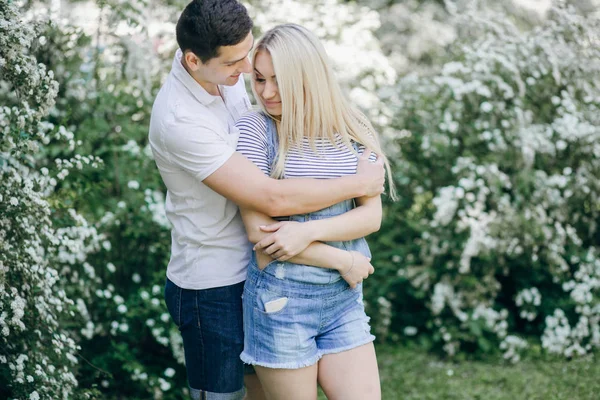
346, 348
289, 365
197, 394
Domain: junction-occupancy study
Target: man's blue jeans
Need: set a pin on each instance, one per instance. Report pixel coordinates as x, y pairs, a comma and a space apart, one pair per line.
210, 322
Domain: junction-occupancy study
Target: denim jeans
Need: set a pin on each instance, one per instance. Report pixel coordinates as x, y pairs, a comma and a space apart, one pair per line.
210, 322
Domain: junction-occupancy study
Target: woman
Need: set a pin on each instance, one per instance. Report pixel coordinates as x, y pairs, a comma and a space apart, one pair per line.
304, 319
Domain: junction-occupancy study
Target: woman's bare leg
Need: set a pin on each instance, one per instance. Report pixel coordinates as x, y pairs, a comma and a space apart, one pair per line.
254, 390
350, 375
289, 384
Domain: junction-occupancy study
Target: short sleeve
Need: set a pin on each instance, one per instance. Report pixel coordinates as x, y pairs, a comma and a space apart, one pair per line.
372, 157
196, 148
252, 141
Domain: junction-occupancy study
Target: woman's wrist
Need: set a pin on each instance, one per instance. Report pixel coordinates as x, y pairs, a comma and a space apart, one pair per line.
348, 270
345, 263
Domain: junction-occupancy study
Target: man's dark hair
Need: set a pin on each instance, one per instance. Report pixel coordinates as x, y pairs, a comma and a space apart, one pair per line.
206, 25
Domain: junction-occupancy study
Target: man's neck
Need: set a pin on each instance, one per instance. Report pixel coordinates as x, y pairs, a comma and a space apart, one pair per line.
211, 88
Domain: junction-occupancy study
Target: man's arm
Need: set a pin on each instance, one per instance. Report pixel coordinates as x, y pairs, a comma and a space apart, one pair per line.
244, 183
289, 238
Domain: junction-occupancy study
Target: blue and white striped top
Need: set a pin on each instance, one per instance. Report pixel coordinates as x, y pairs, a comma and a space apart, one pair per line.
330, 161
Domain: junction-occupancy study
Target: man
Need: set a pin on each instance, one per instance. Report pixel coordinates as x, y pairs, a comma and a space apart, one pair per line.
193, 139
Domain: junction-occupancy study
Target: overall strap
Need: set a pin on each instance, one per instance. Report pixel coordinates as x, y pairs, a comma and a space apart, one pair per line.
272, 140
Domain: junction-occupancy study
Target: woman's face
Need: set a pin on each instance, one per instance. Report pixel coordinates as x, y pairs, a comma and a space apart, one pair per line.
265, 83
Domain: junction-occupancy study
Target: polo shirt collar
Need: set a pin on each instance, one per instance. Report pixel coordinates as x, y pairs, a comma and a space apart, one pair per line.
190, 83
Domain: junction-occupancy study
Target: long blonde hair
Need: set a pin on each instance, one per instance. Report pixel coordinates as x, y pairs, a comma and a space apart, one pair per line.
313, 105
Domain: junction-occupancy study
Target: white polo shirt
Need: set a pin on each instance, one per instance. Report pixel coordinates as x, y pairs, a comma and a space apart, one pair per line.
192, 134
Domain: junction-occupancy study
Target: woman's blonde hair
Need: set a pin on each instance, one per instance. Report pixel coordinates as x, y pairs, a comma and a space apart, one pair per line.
312, 101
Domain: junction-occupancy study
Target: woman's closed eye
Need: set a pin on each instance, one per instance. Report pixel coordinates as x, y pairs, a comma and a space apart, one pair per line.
259, 80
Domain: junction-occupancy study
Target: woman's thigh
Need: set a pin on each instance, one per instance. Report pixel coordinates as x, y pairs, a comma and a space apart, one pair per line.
351, 374
289, 384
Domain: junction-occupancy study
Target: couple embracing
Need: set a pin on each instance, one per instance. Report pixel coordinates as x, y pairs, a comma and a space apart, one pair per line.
297, 180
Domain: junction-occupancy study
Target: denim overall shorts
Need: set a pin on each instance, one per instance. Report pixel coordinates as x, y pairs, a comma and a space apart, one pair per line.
321, 314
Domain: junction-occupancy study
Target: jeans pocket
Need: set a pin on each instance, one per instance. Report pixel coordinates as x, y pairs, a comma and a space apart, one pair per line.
173, 301
266, 298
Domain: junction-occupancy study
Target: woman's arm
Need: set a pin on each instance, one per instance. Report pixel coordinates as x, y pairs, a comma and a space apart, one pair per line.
353, 266
290, 238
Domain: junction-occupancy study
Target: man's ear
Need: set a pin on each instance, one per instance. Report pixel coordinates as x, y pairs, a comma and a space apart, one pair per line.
192, 61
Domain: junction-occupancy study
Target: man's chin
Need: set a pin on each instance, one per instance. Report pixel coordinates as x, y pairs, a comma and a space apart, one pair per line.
232, 80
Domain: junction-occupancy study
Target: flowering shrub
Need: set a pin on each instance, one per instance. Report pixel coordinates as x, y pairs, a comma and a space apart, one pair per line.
38, 356
496, 239
83, 249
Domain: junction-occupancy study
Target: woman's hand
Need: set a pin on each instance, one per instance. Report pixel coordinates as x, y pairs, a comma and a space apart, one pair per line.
358, 269
289, 238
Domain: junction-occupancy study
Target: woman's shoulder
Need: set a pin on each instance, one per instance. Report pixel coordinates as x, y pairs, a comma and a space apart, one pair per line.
254, 121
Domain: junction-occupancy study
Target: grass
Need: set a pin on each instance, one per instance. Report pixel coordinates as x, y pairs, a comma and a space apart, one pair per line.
409, 374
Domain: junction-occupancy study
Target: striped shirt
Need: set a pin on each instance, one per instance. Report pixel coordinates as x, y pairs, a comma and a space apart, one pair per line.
330, 160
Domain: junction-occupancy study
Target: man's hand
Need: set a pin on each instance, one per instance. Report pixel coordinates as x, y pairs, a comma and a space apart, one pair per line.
373, 173
358, 269
289, 239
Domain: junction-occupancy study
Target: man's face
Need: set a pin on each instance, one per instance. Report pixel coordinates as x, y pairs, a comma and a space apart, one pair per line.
231, 62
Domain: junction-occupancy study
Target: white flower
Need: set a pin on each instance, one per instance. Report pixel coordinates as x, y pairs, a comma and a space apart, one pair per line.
133, 185
111, 267
122, 308
410, 331
486, 107
164, 385
136, 278
15, 202
169, 372
34, 396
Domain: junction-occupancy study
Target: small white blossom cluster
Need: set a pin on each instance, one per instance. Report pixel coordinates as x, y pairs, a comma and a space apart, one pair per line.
384, 310
559, 335
155, 204
512, 346
528, 300
507, 144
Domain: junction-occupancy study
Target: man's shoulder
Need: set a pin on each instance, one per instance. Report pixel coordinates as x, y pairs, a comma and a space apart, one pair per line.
181, 127
177, 111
